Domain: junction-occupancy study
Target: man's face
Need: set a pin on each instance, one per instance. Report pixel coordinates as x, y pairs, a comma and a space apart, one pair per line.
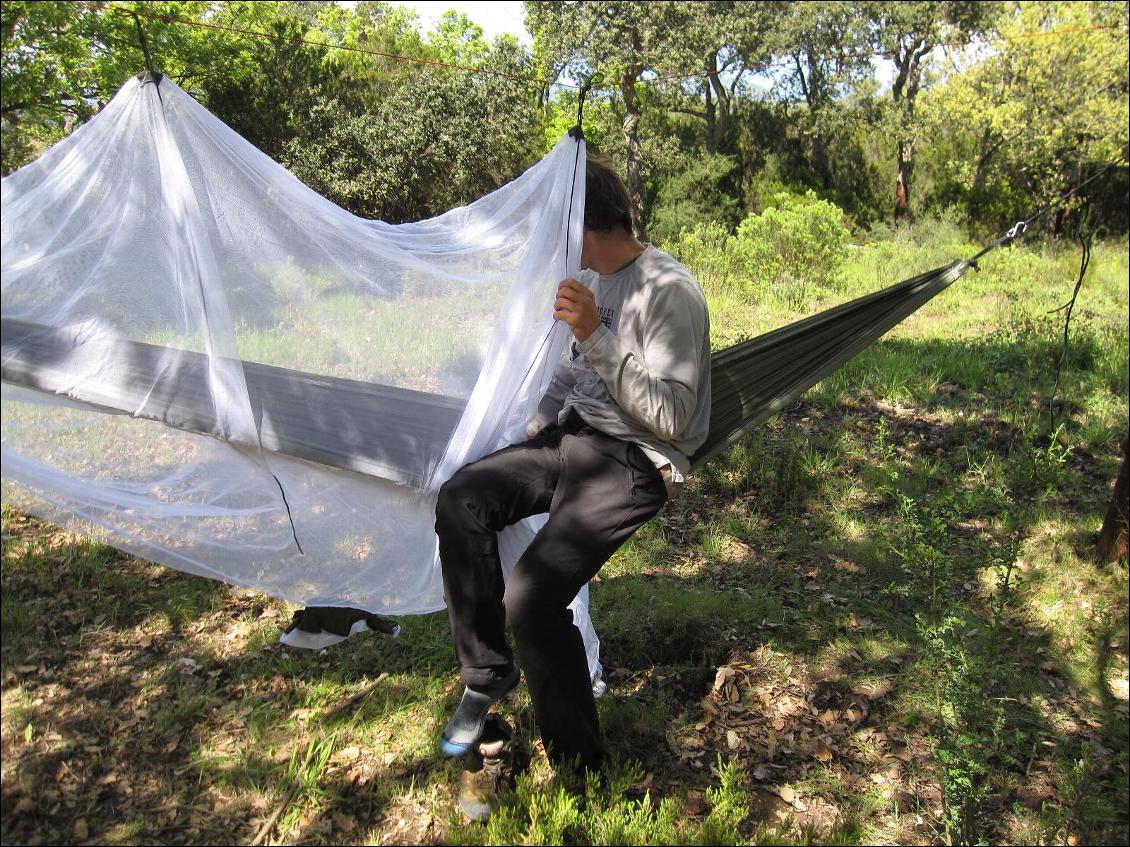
586, 248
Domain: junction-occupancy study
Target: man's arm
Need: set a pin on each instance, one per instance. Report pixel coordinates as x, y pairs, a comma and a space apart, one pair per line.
657, 385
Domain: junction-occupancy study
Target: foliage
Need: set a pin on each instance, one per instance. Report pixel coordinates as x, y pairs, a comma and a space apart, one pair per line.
1036, 116
825, 45
621, 41
907, 33
709, 249
709, 107
63, 61
608, 810
721, 46
701, 193
799, 241
268, 103
36, 83
397, 161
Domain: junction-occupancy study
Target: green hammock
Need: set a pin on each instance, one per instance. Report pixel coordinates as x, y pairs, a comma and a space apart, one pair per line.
750, 382
754, 380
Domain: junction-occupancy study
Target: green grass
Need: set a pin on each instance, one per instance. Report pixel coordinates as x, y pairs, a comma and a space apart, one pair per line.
912, 541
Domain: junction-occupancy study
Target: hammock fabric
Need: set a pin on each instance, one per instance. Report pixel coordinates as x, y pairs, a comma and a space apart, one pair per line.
369, 432
234, 377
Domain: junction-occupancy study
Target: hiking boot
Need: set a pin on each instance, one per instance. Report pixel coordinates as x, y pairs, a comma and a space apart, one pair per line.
466, 725
488, 770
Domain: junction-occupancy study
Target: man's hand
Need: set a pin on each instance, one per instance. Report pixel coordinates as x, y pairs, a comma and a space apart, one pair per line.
576, 305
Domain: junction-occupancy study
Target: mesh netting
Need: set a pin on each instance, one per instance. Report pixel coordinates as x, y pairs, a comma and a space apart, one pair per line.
212, 366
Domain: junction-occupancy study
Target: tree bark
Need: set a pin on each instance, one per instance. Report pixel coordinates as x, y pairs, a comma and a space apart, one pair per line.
720, 133
1113, 542
1064, 217
821, 162
902, 181
985, 154
904, 90
711, 122
635, 156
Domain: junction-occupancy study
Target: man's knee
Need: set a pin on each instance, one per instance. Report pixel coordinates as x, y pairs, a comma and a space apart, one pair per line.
456, 502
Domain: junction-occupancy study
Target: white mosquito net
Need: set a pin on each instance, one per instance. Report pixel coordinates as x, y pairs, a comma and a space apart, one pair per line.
211, 366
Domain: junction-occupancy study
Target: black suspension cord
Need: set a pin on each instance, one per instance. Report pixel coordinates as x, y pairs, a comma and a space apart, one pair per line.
578, 134
154, 77
1020, 227
289, 516
579, 137
149, 75
1086, 237
144, 43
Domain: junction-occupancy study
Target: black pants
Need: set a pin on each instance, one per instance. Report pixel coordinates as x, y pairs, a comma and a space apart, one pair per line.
598, 490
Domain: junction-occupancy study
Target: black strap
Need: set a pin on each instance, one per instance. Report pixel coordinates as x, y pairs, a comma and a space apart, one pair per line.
1020, 227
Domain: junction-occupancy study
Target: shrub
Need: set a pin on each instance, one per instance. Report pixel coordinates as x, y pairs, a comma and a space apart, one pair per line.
708, 250
798, 242
702, 193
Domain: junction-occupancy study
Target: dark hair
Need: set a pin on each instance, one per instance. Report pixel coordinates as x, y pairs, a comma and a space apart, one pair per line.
606, 198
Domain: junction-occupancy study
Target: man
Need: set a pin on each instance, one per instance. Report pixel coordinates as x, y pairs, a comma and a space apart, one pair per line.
627, 407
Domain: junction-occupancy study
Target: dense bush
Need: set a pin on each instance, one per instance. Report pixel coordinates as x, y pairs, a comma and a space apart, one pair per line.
702, 192
798, 242
708, 249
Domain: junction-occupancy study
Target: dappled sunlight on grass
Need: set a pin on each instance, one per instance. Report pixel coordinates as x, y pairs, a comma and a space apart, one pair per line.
895, 573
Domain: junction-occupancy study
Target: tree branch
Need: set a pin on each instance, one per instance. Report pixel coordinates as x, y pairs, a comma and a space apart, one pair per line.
684, 111
803, 81
1086, 236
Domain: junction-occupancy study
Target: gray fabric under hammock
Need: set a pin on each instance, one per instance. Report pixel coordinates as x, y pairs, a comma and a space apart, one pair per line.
362, 427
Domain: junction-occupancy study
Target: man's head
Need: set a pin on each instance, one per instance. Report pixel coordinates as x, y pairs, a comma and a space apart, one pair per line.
606, 199
609, 240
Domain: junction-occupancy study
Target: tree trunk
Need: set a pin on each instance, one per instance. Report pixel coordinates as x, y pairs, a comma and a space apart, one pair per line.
902, 183
904, 90
719, 134
711, 122
635, 157
1112, 542
984, 156
1064, 217
821, 162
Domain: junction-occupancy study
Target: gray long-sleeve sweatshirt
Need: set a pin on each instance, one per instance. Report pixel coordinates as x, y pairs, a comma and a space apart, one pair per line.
644, 374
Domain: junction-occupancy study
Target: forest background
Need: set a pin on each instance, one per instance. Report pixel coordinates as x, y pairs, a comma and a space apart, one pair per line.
715, 111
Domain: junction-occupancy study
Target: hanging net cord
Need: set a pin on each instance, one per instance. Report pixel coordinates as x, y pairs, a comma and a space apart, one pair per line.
1021, 227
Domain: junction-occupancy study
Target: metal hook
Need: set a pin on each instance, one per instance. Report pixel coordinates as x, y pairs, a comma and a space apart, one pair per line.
1018, 229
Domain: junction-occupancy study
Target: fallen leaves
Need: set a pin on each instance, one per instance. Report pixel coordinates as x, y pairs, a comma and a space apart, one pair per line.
779, 718
344, 822
764, 707
823, 753
846, 566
